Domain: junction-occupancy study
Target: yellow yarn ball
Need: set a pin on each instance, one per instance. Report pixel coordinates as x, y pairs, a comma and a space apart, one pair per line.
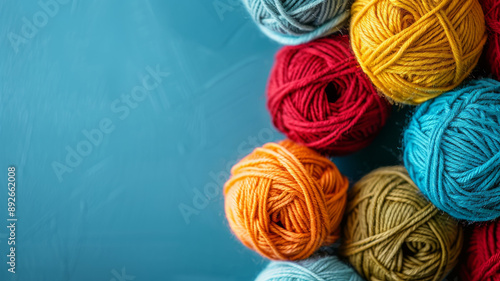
414, 50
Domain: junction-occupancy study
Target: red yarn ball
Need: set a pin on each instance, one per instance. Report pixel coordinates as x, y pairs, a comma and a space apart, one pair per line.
483, 254
491, 9
319, 96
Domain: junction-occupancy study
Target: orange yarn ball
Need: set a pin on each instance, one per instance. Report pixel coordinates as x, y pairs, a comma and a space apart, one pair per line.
285, 200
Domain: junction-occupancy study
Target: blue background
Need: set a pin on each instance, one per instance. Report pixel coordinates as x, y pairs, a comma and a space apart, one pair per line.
135, 206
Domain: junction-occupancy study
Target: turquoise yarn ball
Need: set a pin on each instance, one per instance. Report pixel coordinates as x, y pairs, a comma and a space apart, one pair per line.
452, 150
292, 22
328, 268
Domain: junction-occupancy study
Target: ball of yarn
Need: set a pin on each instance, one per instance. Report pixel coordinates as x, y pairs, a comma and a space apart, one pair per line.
393, 233
285, 201
328, 268
293, 22
483, 254
414, 50
318, 96
491, 10
452, 151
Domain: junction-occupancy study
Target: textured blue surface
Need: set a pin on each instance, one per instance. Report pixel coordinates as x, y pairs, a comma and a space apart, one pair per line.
115, 214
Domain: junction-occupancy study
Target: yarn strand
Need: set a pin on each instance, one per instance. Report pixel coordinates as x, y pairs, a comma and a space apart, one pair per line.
285, 201
298, 97
452, 150
424, 48
393, 233
293, 22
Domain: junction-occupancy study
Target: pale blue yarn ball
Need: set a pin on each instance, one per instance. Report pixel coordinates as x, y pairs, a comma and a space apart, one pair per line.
328, 268
452, 150
293, 22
